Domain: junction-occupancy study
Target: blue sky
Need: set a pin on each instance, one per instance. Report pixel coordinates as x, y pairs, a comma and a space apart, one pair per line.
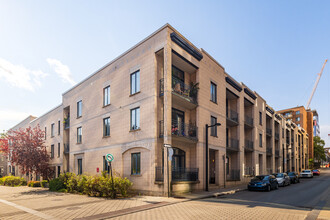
274, 47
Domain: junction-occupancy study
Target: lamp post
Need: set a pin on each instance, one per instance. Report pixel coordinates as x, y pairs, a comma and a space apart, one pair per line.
169, 153
207, 154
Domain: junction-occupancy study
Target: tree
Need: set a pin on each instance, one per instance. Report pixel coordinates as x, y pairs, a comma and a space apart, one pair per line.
319, 152
28, 151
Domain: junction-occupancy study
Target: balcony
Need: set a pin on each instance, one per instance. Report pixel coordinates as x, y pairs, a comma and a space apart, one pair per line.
277, 136
269, 132
232, 144
67, 123
277, 153
234, 175
232, 118
184, 95
248, 122
249, 145
269, 151
66, 148
188, 131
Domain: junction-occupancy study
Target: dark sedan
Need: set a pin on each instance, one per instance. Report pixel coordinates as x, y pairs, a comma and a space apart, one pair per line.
263, 182
294, 177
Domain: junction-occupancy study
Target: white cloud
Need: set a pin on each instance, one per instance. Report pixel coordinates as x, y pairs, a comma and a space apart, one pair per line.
62, 70
19, 76
9, 118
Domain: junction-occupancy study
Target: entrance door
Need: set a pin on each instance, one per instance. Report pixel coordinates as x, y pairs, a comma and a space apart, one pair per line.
212, 166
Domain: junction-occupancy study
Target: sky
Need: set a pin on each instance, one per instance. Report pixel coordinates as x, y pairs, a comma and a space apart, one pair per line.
274, 47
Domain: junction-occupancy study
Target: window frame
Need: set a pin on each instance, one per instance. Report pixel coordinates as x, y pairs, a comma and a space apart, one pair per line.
79, 107
80, 166
260, 140
52, 151
79, 141
260, 118
213, 96
105, 127
52, 126
58, 150
214, 132
136, 82
136, 161
106, 96
135, 117
59, 127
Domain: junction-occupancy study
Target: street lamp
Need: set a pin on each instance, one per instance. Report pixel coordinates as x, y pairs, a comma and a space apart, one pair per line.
207, 154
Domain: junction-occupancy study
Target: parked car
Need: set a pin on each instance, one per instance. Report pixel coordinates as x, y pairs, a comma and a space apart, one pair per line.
316, 172
306, 173
283, 179
294, 177
263, 182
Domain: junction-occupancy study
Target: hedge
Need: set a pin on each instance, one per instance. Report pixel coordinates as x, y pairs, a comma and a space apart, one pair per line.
99, 186
12, 181
34, 184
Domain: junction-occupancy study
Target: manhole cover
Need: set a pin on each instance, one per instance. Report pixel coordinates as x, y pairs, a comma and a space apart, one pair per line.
73, 208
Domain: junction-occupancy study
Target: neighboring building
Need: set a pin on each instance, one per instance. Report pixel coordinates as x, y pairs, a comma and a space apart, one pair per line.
154, 104
3, 165
306, 119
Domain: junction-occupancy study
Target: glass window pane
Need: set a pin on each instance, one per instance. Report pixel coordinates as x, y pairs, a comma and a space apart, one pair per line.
138, 117
133, 119
137, 81
133, 89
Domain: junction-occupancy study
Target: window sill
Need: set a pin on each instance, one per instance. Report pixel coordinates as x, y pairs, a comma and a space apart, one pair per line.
134, 93
214, 102
78, 117
135, 130
79, 143
136, 175
214, 136
106, 137
104, 106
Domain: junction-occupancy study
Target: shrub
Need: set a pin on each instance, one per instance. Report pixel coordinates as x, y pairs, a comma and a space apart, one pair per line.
44, 183
34, 184
12, 181
56, 184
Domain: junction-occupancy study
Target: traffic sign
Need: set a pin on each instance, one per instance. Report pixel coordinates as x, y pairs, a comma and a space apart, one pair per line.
109, 157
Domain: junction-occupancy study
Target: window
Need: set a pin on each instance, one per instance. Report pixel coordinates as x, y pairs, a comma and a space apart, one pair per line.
298, 125
79, 109
213, 92
260, 118
80, 170
135, 164
45, 133
260, 140
52, 130
79, 135
59, 127
282, 132
106, 127
135, 82
214, 128
106, 96
297, 112
298, 119
52, 151
135, 118
58, 150
58, 171
105, 165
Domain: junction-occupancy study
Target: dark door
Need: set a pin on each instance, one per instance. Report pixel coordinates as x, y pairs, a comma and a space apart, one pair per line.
178, 122
212, 166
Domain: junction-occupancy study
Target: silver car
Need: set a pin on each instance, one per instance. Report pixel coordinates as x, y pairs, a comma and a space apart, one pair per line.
306, 173
283, 179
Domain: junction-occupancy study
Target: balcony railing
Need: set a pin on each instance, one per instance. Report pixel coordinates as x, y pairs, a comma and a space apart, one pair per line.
184, 174
277, 153
248, 171
277, 135
248, 121
67, 123
178, 87
249, 145
232, 115
234, 175
180, 129
66, 148
232, 144
269, 131
269, 151
159, 175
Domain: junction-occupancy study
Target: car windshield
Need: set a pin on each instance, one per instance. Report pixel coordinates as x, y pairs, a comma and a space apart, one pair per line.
278, 175
291, 174
259, 178
315, 170
306, 171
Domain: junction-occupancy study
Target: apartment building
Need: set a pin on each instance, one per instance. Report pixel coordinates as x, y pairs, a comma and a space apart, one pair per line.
149, 108
307, 119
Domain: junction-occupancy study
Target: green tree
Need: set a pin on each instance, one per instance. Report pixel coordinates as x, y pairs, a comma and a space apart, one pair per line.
319, 153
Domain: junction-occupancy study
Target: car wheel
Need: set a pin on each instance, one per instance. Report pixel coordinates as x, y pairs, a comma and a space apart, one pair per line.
276, 186
268, 188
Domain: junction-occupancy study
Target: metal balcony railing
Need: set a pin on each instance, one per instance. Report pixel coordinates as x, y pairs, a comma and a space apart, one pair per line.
184, 174
180, 129
248, 121
249, 145
248, 171
232, 144
269, 131
159, 174
234, 175
232, 115
269, 151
